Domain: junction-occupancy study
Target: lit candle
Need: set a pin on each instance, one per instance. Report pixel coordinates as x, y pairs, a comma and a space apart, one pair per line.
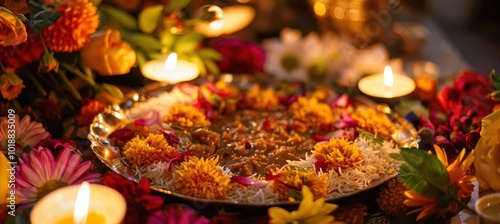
387, 85
170, 70
96, 204
234, 18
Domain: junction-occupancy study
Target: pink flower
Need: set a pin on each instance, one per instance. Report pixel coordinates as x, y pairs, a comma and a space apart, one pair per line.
38, 173
240, 57
28, 133
178, 214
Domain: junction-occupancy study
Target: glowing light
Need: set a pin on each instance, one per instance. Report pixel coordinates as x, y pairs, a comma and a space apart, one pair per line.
82, 204
319, 9
171, 62
388, 76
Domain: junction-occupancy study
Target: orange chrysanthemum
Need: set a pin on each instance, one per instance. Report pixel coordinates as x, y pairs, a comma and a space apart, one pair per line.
186, 116
374, 122
143, 152
457, 172
72, 30
339, 154
312, 112
202, 178
291, 178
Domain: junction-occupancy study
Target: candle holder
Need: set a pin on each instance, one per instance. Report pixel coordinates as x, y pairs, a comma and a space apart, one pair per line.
386, 88
59, 205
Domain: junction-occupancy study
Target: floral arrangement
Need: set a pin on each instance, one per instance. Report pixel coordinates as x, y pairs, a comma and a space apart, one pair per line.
55, 54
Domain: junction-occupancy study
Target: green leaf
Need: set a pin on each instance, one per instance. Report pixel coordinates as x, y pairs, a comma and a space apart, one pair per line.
167, 39
210, 53
396, 156
121, 17
41, 16
141, 58
188, 43
177, 127
175, 5
3, 82
146, 42
212, 67
496, 79
149, 18
199, 63
376, 140
422, 170
197, 127
112, 90
13, 79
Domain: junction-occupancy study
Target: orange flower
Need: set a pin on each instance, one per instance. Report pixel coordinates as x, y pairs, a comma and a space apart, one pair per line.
72, 30
293, 178
108, 54
457, 172
12, 29
88, 112
11, 86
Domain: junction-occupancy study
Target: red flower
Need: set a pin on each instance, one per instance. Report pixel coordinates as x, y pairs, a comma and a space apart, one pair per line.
239, 57
17, 56
140, 202
179, 214
471, 140
89, 110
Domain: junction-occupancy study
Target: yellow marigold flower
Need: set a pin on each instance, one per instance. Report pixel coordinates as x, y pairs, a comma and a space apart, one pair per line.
309, 211
322, 93
79, 19
312, 112
146, 151
202, 178
458, 175
294, 178
186, 116
375, 122
262, 99
339, 153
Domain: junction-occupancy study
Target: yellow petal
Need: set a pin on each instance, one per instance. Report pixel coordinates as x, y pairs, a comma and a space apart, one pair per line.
320, 219
278, 215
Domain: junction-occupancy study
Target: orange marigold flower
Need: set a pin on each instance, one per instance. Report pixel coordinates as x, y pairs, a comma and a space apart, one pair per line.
79, 19
458, 174
146, 151
339, 153
312, 112
375, 122
202, 178
88, 112
262, 99
186, 116
293, 178
11, 90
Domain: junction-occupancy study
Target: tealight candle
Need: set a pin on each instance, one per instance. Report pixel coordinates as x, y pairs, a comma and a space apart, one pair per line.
171, 70
80, 204
234, 18
387, 85
488, 208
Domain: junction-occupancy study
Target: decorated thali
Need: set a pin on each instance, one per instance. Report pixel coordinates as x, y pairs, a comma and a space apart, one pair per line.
240, 140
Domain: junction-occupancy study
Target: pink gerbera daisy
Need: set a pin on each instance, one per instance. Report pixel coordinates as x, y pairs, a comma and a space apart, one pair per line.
27, 133
39, 173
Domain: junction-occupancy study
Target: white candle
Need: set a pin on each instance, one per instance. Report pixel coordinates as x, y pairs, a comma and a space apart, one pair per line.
86, 203
234, 18
170, 70
387, 85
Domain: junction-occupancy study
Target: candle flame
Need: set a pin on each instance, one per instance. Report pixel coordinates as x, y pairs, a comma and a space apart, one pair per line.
171, 62
388, 76
217, 24
82, 204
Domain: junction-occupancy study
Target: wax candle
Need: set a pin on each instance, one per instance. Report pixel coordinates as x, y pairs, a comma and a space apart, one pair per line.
488, 208
387, 85
80, 204
170, 70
